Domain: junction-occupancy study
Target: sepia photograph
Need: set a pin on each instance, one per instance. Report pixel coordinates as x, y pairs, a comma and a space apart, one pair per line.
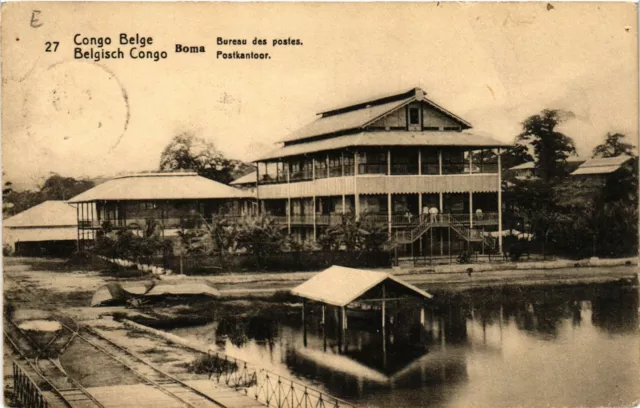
320, 205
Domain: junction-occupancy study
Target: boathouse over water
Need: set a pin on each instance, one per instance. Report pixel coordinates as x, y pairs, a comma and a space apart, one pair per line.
357, 289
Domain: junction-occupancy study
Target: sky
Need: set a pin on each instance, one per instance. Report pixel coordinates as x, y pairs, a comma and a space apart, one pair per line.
492, 64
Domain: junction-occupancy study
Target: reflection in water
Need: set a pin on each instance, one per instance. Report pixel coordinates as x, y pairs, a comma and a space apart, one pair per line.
526, 346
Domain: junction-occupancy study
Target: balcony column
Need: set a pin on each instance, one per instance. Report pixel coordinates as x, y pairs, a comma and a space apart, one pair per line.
313, 177
389, 213
388, 162
356, 196
258, 187
315, 228
389, 203
499, 202
440, 162
288, 201
344, 182
327, 170
78, 228
470, 162
470, 209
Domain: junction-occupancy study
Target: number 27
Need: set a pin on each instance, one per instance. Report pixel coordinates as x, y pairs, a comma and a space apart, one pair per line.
49, 44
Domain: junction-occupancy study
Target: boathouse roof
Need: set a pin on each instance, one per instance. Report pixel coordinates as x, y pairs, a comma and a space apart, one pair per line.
361, 114
339, 286
388, 138
605, 165
183, 185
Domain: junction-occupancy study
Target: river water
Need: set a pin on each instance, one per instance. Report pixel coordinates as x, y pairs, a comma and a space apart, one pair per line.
525, 346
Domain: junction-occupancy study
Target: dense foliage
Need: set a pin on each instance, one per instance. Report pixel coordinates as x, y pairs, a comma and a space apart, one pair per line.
136, 243
568, 215
354, 234
55, 187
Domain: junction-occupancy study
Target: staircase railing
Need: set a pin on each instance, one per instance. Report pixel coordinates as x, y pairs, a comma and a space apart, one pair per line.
428, 221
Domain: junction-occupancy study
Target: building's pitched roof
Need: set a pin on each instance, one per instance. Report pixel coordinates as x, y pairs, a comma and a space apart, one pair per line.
40, 234
160, 186
601, 165
531, 165
388, 138
340, 286
524, 166
48, 214
358, 116
250, 178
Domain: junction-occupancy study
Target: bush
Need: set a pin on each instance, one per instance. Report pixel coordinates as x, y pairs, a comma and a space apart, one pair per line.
464, 257
260, 236
208, 364
354, 234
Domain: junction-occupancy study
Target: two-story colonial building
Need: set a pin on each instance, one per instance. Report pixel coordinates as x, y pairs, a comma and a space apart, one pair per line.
402, 159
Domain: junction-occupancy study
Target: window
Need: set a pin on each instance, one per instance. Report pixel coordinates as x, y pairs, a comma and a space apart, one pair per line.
414, 116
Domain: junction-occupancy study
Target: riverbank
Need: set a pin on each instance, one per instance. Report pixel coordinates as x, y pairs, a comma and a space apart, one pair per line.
444, 277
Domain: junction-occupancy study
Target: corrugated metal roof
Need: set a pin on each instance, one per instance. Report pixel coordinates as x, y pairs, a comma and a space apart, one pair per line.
601, 165
340, 286
524, 166
250, 178
531, 165
48, 214
345, 121
595, 170
160, 186
21, 234
391, 138
364, 113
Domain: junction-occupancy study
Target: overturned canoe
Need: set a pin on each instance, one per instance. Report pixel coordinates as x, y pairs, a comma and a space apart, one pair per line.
115, 293
181, 289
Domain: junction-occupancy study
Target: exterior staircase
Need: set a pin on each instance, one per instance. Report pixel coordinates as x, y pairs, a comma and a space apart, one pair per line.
426, 222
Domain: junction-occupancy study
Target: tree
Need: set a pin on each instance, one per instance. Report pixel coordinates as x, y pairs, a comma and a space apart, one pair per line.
55, 187
515, 155
550, 147
613, 146
188, 152
58, 187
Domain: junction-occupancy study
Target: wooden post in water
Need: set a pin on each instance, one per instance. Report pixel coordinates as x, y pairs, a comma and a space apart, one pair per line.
344, 318
423, 326
304, 322
339, 318
344, 328
384, 324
